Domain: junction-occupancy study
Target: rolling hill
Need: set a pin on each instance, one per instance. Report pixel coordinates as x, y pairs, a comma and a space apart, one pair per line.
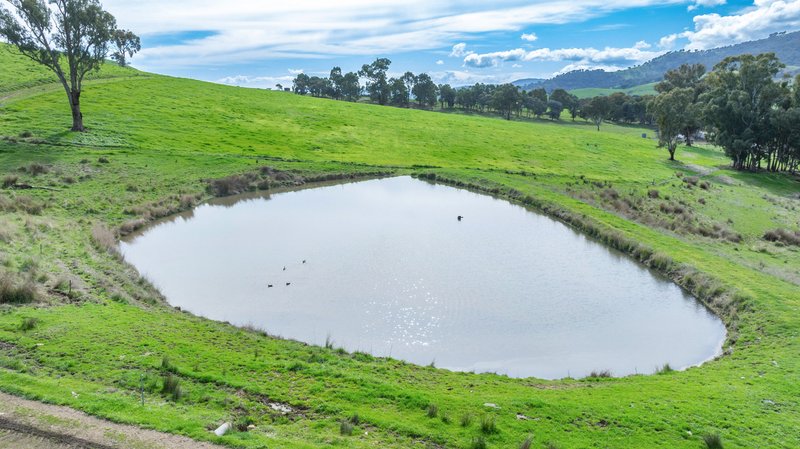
98, 337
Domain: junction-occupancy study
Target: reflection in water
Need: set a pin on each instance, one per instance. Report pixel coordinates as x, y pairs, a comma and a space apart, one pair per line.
390, 270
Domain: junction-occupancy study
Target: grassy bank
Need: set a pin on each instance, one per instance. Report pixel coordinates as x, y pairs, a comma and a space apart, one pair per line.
98, 332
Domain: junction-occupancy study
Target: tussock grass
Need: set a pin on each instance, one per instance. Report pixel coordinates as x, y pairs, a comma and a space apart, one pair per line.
713, 441
432, 410
783, 236
527, 443
16, 291
28, 324
10, 181
602, 374
346, 428
488, 424
466, 420
171, 387
664, 369
478, 442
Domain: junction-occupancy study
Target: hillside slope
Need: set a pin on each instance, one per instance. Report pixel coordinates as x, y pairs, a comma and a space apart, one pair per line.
99, 333
785, 45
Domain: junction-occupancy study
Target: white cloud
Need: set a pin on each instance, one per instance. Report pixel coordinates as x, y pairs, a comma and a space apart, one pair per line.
440, 62
257, 81
530, 37
254, 30
585, 57
295, 71
706, 4
642, 45
459, 50
759, 21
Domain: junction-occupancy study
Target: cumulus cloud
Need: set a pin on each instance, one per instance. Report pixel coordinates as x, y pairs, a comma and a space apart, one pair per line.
459, 50
759, 21
530, 37
706, 4
440, 62
585, 57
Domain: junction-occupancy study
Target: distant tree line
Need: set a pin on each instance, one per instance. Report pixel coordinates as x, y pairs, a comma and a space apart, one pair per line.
741, 107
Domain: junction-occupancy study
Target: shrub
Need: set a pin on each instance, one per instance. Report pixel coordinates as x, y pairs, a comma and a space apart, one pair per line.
665, 369
15, 292
10, 181
103, 238
783, 236
232, 185
488, 425
712, 441
36, 169
172, 387
28, 324
346, 428
599, 374
478, 442
433, 410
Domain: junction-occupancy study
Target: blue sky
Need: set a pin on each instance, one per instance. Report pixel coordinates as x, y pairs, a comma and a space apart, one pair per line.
258, 43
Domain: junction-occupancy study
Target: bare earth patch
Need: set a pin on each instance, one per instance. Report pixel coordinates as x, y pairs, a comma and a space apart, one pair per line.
34, 425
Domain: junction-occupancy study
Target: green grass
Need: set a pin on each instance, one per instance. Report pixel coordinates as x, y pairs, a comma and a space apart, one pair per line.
589, 92
153, 144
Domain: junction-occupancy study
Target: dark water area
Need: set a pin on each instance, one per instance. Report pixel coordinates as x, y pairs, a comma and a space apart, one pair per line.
385, 267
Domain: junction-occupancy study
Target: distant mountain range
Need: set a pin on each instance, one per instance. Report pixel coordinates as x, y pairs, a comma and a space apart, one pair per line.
785, 45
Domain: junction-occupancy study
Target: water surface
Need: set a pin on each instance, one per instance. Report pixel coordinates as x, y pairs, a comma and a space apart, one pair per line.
391, 271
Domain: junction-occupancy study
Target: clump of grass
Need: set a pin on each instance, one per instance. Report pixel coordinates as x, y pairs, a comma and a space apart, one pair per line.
527, 443
243, 423
712, 441
705, 185
691, 180
654, 194
466, 420
36, 169
478, 442
167, 366
660, 261
488, 424
355, 419
104, 239
13, 291
26, 134
783, 236
346, 428
10, 181
328, 342
171, 387
231, 185
664, 369
28, 324
551, 445
433, 410
132, 225
103, 160
599, 374
446, 418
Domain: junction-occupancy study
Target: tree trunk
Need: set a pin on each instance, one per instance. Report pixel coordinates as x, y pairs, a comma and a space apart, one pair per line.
77, 116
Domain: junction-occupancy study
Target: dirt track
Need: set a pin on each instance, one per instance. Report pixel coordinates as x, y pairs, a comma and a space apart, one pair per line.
33, 425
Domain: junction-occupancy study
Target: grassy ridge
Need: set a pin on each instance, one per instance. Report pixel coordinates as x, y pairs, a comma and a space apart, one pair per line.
589, 92
153, 142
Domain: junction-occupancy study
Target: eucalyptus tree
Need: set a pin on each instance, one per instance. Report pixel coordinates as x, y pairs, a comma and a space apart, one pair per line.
377, 82
425, 90
669, 111
126, 44
69, 37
